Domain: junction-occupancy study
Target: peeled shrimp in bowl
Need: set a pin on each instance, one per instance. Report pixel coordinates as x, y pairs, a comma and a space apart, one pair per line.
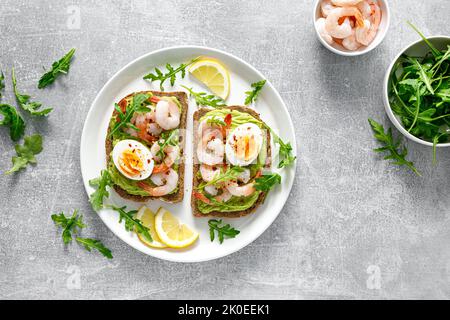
351, 27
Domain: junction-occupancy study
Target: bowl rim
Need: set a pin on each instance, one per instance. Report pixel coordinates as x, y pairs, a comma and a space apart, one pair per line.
352, 53
387, 105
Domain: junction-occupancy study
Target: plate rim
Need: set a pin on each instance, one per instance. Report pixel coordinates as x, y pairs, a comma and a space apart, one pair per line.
292, 169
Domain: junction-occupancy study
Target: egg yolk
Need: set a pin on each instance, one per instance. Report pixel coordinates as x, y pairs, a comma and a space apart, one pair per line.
246, 148
131, 162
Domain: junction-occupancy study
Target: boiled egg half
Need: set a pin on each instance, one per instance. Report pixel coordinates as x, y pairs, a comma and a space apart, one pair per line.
133, 159
244, 144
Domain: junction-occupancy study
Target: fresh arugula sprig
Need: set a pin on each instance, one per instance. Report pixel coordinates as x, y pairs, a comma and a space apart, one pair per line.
253, 95
2, 83
205, 99
222, 230
89, 244
61, 66
267, 181
396, 152
102, 183
72, 226
230, 174
24, 100
214, 120
285, 151
170, 74
167, 138
124, 118
131, 223
26, 153
69, 225
13, 120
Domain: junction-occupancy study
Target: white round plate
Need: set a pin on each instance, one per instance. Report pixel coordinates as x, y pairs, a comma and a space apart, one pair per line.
129, 79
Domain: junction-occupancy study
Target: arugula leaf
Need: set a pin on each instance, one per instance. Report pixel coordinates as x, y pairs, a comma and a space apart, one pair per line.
26, 153
124, 118
435, 51
222, 231
267, 181
396, 152
285, 151
204, 99
13, 120
167, 138
2, 83
69, 225
131, 223
90, 244
24, 100
102, 182
253, 95
169, 75
58, 67
230, 174
214, 120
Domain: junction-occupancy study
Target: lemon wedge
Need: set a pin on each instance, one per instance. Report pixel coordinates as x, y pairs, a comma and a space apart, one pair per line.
172, 232
147, 218
213, 74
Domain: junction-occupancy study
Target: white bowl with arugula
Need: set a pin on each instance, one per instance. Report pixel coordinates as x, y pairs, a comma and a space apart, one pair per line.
417, 91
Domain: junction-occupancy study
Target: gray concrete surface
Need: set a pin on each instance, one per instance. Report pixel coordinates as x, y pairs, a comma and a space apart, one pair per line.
353, 227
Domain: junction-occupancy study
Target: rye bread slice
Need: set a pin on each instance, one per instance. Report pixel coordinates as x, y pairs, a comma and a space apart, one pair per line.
172, 198
195, 181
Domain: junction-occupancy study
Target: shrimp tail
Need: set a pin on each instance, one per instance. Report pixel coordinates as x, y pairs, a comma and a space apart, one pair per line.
201, 197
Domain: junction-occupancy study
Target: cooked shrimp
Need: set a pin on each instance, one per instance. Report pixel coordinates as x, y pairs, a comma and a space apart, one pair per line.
224, 196
343, 30
350, 43
366, 34
209, 172
211, 148
167, 114
326, 6
212, 190
171, 152
320, 25
166, 182
240, 191
244, 176
365, 8
345, 3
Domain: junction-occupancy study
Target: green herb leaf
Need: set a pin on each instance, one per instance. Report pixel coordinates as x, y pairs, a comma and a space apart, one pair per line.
222, 231
395, 151
131, 223
230, 174
124, 119
205, 99
69, 225
102, 182
253, 95
285, 151
2, 83
267, 182
171, 73
214, 120
58, 67
26, 153
25, 103
167, 138
13, 120
90, 244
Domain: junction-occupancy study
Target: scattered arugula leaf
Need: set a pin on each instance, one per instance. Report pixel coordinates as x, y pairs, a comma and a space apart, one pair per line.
26, 153
2, 83
285, 151
167, 138
169, 75
230, 174
60, 66
69, 225
205, 99
397, 153
222, 231
24, 100
131, 223
253, 95
102, 182
214, 120
125, 118
13, 120
267, 181
90, 244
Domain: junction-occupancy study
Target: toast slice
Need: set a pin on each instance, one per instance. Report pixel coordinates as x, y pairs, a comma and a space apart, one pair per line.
195, 180
174, 197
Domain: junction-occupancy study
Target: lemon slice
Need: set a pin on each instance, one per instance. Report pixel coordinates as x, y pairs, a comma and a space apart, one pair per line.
213, 74
147, 218
171, 232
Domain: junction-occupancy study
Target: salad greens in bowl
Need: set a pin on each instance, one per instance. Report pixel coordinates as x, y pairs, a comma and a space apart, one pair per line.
417, 91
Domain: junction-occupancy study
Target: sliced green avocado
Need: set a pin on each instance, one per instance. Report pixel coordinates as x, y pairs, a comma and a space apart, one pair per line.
232, 205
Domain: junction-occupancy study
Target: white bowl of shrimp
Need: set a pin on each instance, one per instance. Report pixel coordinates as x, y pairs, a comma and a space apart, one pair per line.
351, 27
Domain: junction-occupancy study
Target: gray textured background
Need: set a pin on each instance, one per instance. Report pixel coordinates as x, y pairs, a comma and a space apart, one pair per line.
350, 214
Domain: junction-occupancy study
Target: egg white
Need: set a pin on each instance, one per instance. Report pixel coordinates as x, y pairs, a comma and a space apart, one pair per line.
144, 154
247, 129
